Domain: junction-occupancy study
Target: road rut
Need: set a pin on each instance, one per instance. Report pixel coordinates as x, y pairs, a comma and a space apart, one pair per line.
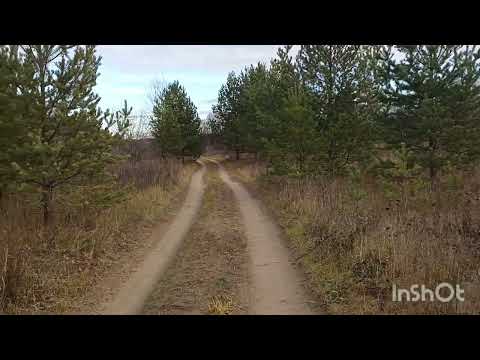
131, 297
276, 287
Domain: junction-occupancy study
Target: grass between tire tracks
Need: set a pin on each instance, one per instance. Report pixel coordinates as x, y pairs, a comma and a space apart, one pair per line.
209, 273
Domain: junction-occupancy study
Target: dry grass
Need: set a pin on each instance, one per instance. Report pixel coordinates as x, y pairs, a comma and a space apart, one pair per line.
148, 172
354, 239
209, 275
220, 305
46, 275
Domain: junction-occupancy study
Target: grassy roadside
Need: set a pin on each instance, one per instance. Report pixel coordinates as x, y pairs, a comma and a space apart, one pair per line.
209, 273
37, 277
355, 240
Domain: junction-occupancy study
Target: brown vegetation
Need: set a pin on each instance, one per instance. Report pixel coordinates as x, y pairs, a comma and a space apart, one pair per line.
355, 239
209, 273
45, 273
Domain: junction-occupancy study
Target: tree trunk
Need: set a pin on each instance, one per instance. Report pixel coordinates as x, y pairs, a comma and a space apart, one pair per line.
237, 154
46, 200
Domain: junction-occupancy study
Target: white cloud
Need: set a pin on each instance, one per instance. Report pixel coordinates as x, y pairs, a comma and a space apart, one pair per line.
189, 58
127, 71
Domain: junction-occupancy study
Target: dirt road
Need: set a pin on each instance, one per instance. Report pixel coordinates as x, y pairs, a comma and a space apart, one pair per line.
221, 254
210, 272
133, 294
276, 286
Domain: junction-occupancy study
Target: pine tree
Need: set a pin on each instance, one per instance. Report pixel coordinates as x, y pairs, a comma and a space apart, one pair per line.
122, 120
248, 104
291, 140
295, 138
175, 122
65, 138
434, 96
257, 99
12, 111
227, 112
336, 76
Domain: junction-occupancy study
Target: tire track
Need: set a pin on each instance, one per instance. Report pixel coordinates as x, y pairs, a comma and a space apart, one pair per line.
276, 287
210, 272
131, 297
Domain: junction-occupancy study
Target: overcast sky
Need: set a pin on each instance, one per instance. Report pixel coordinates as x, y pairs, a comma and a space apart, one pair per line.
127, 71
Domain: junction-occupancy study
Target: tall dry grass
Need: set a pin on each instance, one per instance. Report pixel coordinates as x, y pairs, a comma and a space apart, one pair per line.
355, 239
40, 274
149, 172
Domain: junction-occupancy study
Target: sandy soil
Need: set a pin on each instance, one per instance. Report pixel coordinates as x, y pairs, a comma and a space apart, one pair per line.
127, 261
221, 253
131, 297
275, 283
210, 272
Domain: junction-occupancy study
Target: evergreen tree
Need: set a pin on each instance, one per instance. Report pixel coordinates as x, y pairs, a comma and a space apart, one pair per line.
294, 138
175, 122
65, 140
123, 120
248, 104
337, 77
227, 112
257, 99
12, 111
434, 96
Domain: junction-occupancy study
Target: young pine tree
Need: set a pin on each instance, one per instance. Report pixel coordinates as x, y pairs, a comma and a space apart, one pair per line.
227, 114
12, 116
336, 76
434, 94
295, 137
65, 141
175, 122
